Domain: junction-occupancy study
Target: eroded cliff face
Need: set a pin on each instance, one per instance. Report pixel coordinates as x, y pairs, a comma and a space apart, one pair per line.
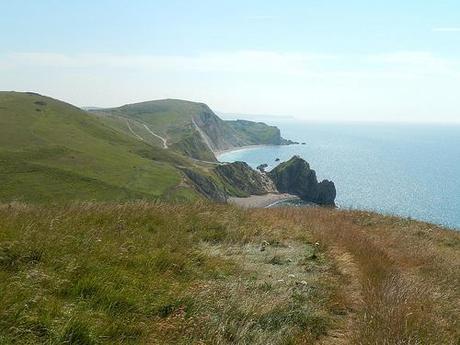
222, 135
216, 133
242, 180
296, 177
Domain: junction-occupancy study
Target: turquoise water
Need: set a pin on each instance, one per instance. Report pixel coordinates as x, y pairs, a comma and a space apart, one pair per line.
407, 170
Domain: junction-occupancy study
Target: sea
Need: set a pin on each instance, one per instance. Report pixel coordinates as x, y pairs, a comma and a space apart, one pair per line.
409, 170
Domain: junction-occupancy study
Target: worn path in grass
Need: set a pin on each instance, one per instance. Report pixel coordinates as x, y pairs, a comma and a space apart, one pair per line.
409, 275
165, 143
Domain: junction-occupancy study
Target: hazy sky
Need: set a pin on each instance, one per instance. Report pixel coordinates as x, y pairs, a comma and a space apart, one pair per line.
314, 59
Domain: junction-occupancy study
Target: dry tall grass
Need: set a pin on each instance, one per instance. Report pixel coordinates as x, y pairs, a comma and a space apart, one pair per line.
409, 274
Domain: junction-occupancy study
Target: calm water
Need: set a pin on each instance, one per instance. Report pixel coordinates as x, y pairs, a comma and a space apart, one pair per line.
407, 170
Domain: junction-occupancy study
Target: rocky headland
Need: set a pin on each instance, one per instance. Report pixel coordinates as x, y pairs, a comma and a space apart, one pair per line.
291, 179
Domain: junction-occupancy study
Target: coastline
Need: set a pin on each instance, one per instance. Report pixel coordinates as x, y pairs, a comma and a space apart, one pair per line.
262, 201
243, 148
240, 148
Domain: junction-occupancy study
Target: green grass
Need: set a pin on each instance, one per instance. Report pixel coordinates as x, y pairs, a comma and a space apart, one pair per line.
168, 117
143, 273
50, 150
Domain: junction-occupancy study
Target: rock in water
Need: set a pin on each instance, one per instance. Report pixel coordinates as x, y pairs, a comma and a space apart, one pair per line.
262, 167
296, 177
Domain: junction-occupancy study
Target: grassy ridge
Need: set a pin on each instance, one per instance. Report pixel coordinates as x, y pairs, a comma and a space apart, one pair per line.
203, 273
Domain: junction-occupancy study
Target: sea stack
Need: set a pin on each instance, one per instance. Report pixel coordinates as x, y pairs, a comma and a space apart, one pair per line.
296, 177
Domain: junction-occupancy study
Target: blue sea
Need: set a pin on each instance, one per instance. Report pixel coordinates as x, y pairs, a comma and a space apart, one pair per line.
401, 169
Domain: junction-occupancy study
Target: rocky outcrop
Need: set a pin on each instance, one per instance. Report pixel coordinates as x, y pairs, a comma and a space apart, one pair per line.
238, 179
262, 167
241, 180
296, 177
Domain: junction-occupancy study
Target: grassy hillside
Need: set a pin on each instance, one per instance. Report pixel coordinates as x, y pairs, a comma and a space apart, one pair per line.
171, 119
53, 151
192, 128
166, 116
153, 273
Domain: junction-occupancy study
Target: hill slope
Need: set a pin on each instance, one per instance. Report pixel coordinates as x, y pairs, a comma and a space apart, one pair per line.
193, 128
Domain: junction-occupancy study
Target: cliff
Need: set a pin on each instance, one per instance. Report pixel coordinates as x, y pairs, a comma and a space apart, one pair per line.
258, 133
296, 177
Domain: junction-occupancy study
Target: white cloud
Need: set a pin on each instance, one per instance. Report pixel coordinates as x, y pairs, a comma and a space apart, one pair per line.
241, 61
451, 29
380, 86
417, 63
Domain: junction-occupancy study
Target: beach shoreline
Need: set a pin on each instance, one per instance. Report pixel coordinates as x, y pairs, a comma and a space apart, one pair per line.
239, 148
243, 148
262, 201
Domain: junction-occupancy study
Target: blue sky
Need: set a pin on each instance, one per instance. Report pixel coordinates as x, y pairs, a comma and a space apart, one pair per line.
320, 60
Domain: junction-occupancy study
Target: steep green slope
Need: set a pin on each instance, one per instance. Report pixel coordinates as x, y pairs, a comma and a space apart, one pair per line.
51, 151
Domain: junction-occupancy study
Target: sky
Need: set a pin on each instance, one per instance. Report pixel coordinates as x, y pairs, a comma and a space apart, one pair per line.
327, 60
